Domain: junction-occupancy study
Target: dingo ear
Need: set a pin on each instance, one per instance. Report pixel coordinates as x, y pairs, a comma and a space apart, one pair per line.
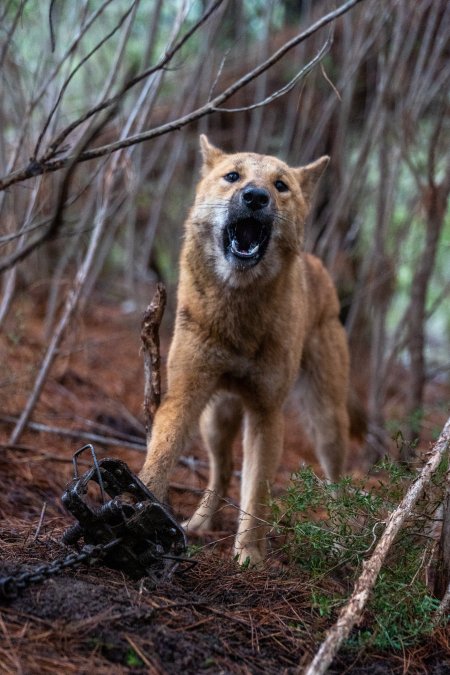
210, 154
308, 177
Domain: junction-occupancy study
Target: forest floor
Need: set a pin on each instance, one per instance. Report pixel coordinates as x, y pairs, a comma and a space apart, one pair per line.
214, 617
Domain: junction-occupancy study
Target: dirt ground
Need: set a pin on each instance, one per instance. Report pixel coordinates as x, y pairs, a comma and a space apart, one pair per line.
213, 617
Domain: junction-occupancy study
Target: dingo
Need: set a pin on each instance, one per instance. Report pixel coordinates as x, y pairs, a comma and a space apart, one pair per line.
254, 311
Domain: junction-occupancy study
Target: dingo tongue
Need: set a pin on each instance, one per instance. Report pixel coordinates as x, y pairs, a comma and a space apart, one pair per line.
253, 248
245, 240
246, 237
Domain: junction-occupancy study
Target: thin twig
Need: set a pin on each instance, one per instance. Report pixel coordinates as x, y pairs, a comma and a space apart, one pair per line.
352, 610
50, 25
57, 219
79, 65
151, 669
62, 200
323, 51
41, 521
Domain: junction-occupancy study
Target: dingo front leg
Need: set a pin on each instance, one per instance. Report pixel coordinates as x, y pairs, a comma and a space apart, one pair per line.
190, 387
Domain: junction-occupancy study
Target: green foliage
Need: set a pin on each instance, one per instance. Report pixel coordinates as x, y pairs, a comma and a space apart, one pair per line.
192, 550
244, 565
324, 603
331, 529
132, 660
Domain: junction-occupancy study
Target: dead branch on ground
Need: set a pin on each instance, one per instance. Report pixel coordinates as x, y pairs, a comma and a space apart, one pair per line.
122, 441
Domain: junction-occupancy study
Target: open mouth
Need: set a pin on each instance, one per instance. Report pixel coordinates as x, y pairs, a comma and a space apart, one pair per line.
246, 239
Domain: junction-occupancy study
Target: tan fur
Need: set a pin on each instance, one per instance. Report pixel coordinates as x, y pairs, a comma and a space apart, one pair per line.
242, 336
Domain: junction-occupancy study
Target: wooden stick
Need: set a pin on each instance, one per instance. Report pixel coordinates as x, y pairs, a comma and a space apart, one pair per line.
41, 522
78, 284
122, 440
352, 610
189, 462
152, 360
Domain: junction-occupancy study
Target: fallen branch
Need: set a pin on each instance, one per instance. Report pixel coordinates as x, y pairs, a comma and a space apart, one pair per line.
151, 322
351, 613
189, 462
71, 433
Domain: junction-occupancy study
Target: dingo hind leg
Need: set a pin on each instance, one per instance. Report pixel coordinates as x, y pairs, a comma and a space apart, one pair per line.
324, 391
219, 424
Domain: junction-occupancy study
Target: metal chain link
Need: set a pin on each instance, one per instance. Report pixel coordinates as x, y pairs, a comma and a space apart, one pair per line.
12, 585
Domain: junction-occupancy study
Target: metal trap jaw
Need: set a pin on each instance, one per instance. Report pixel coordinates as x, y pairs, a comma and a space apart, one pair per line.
136, 531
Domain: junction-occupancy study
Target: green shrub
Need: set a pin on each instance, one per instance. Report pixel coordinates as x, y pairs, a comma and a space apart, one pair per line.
330, 529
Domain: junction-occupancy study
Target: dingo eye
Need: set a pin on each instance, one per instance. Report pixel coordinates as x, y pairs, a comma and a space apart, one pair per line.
232, 177
280, 186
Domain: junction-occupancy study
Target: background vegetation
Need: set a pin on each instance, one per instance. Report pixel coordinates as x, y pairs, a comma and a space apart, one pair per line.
377, 103
101, 105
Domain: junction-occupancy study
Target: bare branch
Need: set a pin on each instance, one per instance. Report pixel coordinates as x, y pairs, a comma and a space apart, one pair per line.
443, 607
50, 25
78, 286
69, 308
162, 63
70, 50
56, 221
290, 85
44, 165
11, 30
74, 72
442, 579
5, 239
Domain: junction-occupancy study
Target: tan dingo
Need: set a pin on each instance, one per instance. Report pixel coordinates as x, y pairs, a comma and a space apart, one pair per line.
254, 311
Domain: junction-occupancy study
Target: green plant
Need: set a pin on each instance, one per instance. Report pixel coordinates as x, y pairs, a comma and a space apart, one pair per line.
330, 529
192, 550
324, 603
132, 660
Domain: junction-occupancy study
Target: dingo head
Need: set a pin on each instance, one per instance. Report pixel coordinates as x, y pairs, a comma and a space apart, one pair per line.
250, 211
